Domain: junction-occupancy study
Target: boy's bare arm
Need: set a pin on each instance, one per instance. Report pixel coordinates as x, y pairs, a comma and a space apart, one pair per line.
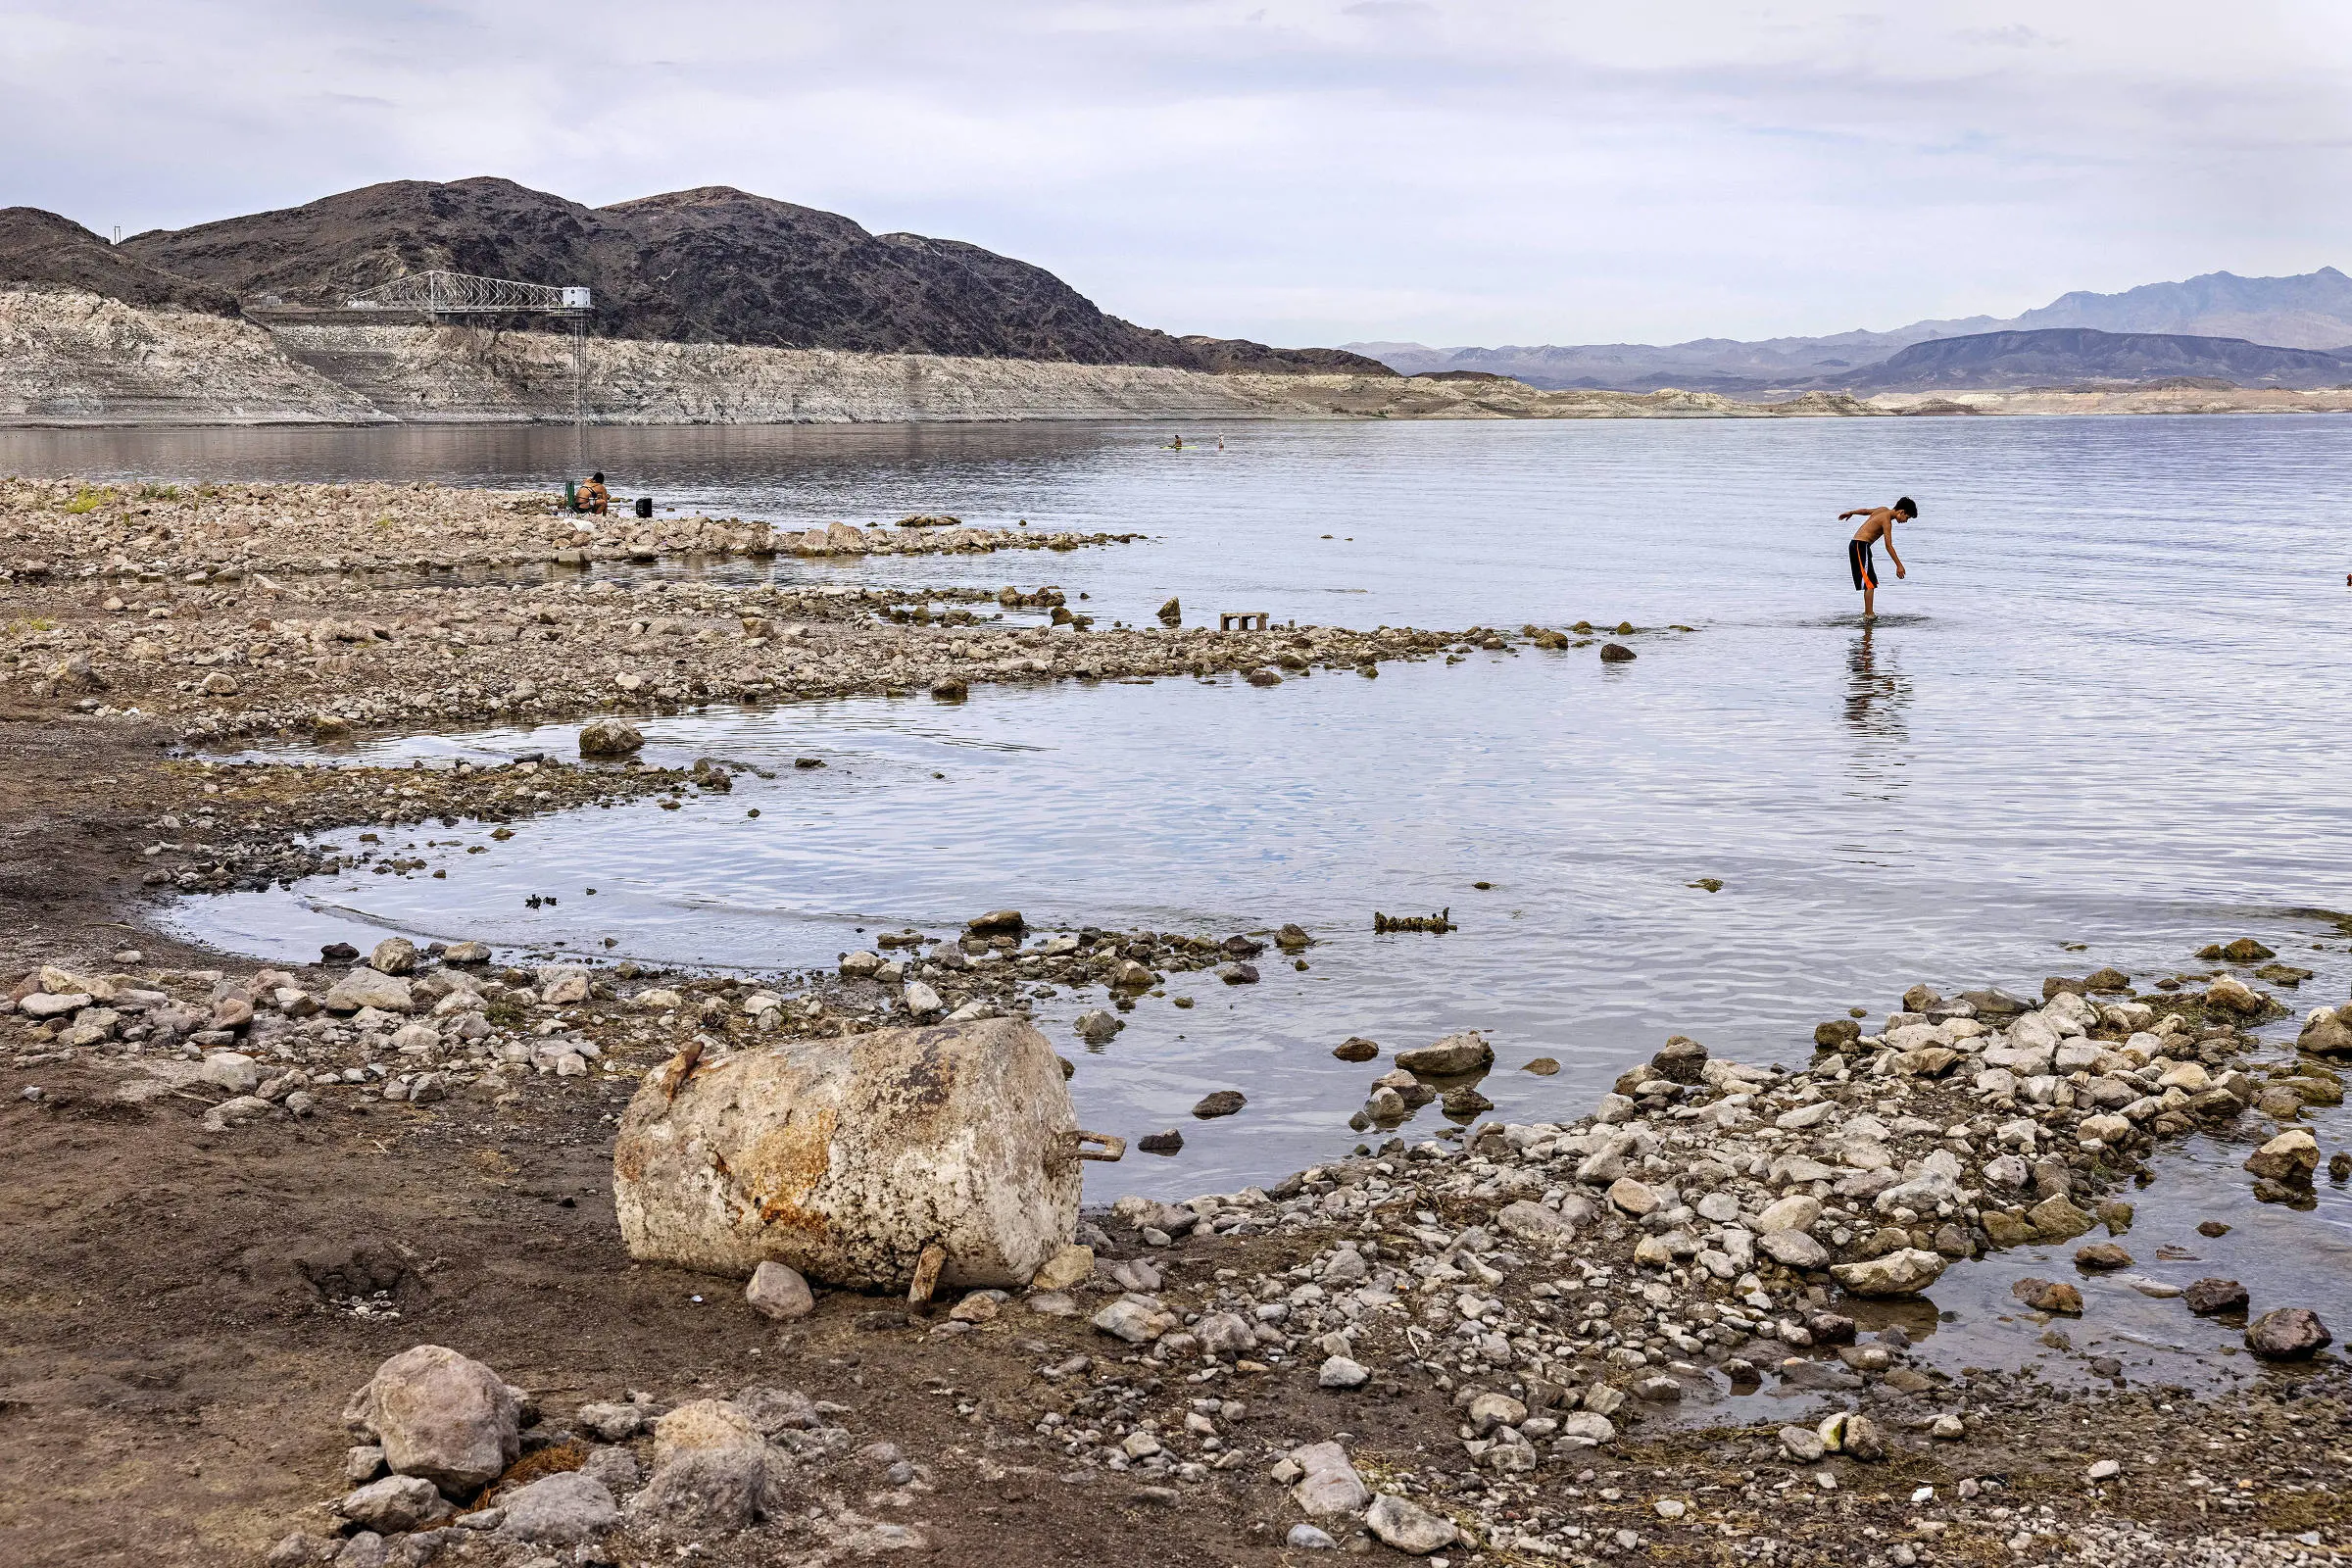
1887, 539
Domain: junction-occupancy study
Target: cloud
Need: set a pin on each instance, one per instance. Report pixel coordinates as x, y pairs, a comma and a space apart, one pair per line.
1297, 171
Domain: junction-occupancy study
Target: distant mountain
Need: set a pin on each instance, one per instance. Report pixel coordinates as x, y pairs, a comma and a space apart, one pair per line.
2312, 311
2074, 354
707, 265
38, 247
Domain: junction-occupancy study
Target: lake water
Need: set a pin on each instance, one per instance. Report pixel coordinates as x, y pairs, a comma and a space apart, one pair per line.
2109, 706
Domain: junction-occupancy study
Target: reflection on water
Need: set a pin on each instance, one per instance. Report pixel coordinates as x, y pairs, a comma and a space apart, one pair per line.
1877, 697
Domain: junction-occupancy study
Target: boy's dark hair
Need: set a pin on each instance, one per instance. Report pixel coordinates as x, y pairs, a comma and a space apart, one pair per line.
600, 479
1904, 504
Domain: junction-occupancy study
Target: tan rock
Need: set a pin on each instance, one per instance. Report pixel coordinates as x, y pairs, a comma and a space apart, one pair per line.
1072, 1265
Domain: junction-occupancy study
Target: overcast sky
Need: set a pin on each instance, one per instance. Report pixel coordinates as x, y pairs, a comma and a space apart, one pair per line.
1295, 170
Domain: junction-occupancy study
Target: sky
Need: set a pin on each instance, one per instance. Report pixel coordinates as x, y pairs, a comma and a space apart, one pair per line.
1449, 171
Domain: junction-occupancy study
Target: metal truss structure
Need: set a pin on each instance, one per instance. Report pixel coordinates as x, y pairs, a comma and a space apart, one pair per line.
440, 293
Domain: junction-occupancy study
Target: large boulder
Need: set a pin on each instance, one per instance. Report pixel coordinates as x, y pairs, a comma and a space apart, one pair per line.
441, 1416
846, 1157
1449, 1056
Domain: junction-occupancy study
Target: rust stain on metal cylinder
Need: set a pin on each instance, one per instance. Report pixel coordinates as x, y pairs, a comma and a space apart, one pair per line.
786, 1165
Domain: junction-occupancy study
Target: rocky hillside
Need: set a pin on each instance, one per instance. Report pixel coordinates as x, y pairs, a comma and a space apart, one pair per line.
48, 251
707, 266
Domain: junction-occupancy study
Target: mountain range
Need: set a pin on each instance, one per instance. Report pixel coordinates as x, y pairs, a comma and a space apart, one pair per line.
2310, 311
716, 264
707, 265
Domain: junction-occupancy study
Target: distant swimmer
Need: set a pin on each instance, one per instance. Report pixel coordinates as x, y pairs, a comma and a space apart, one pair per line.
1877, 523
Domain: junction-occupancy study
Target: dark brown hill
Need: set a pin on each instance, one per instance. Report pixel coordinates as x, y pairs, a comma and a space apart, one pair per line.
712, 265
41, 248
2080, 354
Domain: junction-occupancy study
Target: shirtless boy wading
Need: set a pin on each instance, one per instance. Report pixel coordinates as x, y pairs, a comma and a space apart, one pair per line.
1878, 522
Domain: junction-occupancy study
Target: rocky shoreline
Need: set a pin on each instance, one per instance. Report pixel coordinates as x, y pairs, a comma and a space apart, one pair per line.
1553, 1293
244, 1191
251, 611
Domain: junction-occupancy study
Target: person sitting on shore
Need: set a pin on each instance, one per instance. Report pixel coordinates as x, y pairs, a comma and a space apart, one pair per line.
1878, 522
594, 497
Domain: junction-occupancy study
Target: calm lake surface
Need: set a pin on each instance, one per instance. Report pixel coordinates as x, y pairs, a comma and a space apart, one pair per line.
2111, 705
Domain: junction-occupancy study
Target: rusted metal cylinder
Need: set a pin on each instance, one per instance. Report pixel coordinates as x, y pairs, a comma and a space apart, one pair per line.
846, 1157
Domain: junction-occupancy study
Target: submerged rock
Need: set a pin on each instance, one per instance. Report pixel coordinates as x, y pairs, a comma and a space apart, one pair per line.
2287, 1334
2208, 1296
610, 736
1453, 1055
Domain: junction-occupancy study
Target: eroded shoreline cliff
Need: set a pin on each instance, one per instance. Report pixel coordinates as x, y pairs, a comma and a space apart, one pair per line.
79, 359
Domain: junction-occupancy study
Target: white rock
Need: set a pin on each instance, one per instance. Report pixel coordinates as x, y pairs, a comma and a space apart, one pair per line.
367, 988
231, 1070
563, 985
1339, 1372
1795, 1212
